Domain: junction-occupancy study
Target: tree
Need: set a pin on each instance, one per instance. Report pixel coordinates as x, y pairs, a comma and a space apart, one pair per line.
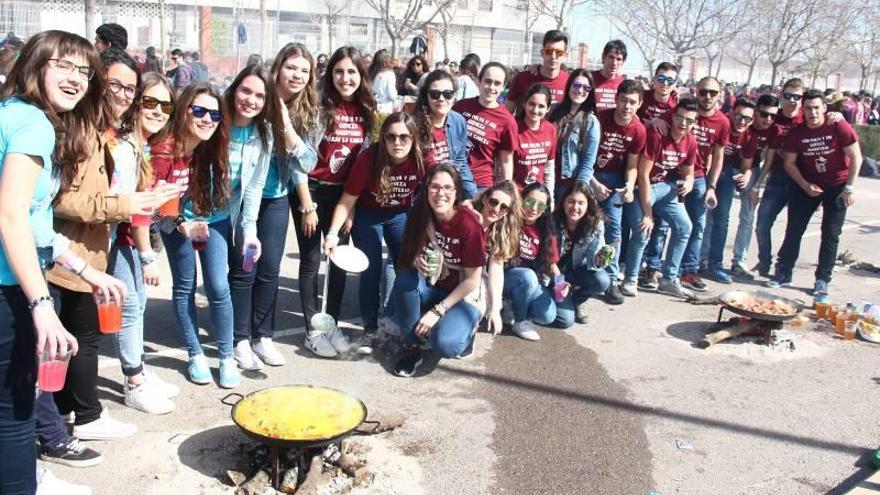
264, 29
447, 15
748, 48
90, 8
558, 10
529, 15
827, 33
785, 25
400, 20
644, 41
332, 9
864, 43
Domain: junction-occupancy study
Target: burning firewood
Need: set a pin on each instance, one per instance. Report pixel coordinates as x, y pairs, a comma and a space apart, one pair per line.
381, 422
313, 477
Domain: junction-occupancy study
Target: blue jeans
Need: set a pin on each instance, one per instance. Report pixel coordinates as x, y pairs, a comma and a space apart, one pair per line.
18, 377
530, 300
746, 222
777, 194
125, 264
695, 204
585, 283
412, 295
718, 219
370, 227
613, 209
255, 294
214, 260
664, 198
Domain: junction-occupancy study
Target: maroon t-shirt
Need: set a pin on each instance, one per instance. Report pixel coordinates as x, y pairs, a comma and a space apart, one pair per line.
618, 142
340, 145
759, 140
651, 108
404, 179
463, 244
530, 247
709, 131
605, 90
439, 149
525, 79
784, 123
490, 130
733, 149
820, 156
668, 156
534, 150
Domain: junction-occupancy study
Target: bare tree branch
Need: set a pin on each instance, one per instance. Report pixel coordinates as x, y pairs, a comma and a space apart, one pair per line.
400, 20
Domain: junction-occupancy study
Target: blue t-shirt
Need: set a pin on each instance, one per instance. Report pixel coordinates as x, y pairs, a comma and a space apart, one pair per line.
24, 129
239, 136
274, 188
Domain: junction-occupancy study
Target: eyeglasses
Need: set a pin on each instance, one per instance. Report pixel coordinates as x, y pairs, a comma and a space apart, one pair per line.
586, 88
681, 119
667, 80
792, 96
553, 51
742, 118
67, 67
534, 204
393, 138
444, 188
435, 94
497, 203
150, 103
712, 93
199, 112
116, 86
767, 115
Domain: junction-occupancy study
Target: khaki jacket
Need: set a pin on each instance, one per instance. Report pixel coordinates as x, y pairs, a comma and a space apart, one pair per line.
84, 214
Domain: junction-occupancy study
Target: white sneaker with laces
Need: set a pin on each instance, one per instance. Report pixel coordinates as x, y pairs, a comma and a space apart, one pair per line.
339, 341
49, 484
104, 428
267, 352
245, 357
526, 330
673, 288
629, 287
319, 344
148, 397
171, 390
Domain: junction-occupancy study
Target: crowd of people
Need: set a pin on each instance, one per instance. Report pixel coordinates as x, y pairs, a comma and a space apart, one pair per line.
503, 202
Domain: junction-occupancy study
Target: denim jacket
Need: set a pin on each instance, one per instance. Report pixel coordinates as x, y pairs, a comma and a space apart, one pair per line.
456, 140
246, 199
574, 163
585, 249
296, 166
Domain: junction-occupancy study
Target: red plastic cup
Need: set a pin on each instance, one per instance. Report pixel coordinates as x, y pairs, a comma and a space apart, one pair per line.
52, 372
171, 208
109, 316
141, 220
248, 263
199, 245
678, 185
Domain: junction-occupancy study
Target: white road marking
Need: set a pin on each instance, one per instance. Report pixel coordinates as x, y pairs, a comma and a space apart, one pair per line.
815, 233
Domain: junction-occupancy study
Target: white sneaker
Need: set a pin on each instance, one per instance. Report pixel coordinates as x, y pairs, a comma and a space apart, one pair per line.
171, 390
245, 357
148, 397
524, 329
319, 344
506, 312
49, 484
104, 428
629, 287
673, 288
266, 351
339, 341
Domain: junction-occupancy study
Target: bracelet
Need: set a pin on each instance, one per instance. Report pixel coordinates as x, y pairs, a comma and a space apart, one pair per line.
849, 189
147, 257
47, 299
333, 232
75, 264
711, 186
434, 310
311, 209
442, 307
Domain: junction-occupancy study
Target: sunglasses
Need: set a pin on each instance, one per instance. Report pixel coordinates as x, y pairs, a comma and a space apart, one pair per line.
534, 204
681, 119
792, 96
497, 203
742, 118
199, 112
767, 115
151, 103
393, 138
667, 80
586, 88
435, 94
553, 51
712, 93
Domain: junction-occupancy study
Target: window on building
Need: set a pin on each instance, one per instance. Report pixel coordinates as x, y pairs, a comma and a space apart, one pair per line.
357, 29
484, 5
463, 4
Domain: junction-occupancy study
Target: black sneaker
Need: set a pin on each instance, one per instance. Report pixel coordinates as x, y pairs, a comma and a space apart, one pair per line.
694, 282
649, 279
740, 272
613, 294
71, 453
762, 269
408, 363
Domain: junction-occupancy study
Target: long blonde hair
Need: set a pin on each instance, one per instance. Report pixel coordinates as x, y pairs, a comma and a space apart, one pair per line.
131, 126
502, 237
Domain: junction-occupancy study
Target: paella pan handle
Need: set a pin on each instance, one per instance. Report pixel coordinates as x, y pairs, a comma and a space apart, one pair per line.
368, 427
226, 400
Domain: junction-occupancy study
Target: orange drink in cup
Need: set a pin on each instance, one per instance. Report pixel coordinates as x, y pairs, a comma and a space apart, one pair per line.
109, 315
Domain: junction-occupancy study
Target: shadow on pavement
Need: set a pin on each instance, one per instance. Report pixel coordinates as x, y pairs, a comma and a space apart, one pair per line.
212, 452
866, 469
689, 331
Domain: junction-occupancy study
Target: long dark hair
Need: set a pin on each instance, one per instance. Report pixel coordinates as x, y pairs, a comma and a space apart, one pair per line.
130, 124
363, 96
560, 114
421, 216
381, 61
591, 217
546, 227
269, 119
410, 73
76, 130
110, 57
303, 106
534, 89
382, 161
422, 111
469, 67
209, 169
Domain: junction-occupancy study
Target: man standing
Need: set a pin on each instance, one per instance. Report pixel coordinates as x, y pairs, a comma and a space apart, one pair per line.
111, 36
550, 73
822, 158
614, 179
734, 176
200, 70
608, 78
663, 99
181, 74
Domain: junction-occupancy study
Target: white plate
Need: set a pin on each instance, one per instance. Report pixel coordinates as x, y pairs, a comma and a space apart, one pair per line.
349, 258
867, 336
